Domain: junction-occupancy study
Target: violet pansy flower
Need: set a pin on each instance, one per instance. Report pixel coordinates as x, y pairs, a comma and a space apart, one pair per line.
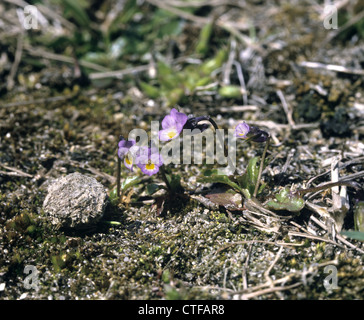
148, 160
172, 125
127, 152
242, 130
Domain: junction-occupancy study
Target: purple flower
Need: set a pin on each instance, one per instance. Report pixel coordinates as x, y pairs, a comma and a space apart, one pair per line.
241, 130
127, 152
124, 146
244, 131
148, 160
172, 125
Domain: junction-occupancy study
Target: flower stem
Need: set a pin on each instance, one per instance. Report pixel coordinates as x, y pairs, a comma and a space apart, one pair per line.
118, 177
261, 167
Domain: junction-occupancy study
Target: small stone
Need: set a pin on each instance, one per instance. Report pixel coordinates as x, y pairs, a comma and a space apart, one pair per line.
75, 201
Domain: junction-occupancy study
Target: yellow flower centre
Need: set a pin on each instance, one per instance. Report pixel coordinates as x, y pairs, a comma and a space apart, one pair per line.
171, 134
128, 160
149, 166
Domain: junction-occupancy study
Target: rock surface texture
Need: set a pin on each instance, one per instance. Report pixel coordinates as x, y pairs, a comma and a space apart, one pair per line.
75, 201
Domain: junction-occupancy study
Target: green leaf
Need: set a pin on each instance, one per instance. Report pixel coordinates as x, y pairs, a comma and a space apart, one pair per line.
129, 182
215, 62
149, 90
357, 235
221, 179
113, 196
77, 12
58, 262
285, 200
359, 216
230, 91
175, 182
130, 8
203, 81
210, 172
249, 179
174, 96
203, 42
164, 69
153, 188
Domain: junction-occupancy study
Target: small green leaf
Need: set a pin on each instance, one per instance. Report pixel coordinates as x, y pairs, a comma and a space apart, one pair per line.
203, 81
149, 90
58, 262
215, 62
77, 12
203, 42
357, 235
174, 96
166, 276
285, 200
230, 91
113, 196
210, 172
130, 8
249, 179
164, 69
153, 188
359, 216
175, 182
129, 182
221, 179
253, 170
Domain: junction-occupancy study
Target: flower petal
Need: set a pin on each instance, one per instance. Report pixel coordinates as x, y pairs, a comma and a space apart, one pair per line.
168, 122
128, 162
241, 130
126, 143
122, 152
124, 146
168, 134
156, 159
149, 168
180, 118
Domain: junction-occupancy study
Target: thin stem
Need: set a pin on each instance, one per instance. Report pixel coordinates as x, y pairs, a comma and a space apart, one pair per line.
261, 167
118, 177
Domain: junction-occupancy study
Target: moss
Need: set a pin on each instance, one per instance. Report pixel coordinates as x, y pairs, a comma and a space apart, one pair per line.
338, 124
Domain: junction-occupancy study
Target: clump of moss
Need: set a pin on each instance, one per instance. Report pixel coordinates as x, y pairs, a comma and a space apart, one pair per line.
337, 124
309, 108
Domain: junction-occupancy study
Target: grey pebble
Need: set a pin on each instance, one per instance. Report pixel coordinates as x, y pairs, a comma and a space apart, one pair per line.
75, 201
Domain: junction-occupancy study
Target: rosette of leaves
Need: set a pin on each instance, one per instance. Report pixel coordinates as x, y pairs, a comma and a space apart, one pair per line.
286, 200
174, 85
